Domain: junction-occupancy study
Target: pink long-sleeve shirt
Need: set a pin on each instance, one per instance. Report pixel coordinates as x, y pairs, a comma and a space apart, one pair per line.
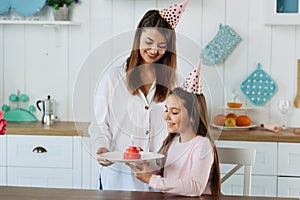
187, 168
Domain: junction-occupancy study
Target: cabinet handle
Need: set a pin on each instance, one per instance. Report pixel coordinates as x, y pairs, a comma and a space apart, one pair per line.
39, 150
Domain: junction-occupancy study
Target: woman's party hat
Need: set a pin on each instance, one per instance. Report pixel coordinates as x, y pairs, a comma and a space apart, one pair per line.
173, 14
193, 83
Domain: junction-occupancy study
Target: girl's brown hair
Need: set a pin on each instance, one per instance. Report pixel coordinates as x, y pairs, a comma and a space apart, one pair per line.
165, 71
197, 109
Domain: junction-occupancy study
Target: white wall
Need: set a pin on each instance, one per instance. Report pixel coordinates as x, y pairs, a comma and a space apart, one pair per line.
40, 60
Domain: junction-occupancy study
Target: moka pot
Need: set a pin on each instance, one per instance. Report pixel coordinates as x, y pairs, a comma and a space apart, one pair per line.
47, 109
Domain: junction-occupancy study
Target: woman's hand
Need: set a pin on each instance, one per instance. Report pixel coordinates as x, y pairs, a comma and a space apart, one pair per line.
102, 161
141, 172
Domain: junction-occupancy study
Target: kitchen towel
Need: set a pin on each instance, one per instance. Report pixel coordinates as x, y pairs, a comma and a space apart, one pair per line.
220, 46
259, 87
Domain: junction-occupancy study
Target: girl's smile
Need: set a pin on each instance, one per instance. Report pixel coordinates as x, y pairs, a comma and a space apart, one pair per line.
178, 119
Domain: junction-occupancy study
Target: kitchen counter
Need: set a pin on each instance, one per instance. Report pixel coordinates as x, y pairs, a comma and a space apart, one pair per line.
63, 128
59, 128
257, 135
29, 193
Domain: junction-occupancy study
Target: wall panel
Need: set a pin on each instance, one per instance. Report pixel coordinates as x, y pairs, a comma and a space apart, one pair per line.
2, 100
283, 59
258, 51
41, 61
14, 60
213, 16
46, 64
79, 48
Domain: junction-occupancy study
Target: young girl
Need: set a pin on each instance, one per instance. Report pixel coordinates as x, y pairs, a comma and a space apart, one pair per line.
191, 165
129, 99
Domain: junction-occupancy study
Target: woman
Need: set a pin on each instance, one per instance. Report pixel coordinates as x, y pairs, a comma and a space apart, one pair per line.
191, 165
129, 98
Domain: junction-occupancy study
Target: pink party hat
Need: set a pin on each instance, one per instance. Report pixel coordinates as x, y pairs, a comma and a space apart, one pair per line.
173, 14
193, 83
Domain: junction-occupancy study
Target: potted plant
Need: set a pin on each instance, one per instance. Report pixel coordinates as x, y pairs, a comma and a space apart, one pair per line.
60, 8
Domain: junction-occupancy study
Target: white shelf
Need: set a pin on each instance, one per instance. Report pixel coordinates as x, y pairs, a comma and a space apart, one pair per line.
37, 22
241, 108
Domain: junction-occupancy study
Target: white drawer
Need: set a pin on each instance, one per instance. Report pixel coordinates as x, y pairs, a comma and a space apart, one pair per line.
2, 175
288, 187
264, 186
265, 159
3, 150
289, 159
39, 177
21, 151
260, 185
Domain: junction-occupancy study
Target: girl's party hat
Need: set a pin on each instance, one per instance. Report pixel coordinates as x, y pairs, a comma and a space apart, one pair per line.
173, 14
193, 83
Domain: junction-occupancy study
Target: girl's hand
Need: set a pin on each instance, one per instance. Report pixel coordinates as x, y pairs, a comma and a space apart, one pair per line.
141, 172
102, 161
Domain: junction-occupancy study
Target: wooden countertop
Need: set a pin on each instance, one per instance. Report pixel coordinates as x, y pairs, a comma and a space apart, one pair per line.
257, 135
62, 128
59, 128
30, 193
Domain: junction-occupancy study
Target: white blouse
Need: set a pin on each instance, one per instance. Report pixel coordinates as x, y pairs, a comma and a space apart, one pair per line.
118, 117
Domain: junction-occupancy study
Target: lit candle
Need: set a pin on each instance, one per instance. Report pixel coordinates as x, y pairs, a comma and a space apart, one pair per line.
132, 140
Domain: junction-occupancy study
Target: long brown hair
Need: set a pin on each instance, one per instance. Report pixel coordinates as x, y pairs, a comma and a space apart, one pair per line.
165, 73
197, 109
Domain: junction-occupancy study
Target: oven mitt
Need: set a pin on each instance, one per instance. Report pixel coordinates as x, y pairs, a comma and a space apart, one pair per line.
220, 46
259, 87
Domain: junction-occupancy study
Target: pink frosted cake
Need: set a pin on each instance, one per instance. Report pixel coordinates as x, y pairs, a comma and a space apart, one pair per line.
132, 153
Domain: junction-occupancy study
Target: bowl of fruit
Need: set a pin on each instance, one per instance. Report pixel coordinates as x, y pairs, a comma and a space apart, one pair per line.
232, 121
234, 105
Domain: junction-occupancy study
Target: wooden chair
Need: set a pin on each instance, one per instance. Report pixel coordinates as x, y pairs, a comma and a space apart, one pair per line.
240, 157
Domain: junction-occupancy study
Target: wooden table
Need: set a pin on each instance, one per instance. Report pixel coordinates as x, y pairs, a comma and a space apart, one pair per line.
30, 193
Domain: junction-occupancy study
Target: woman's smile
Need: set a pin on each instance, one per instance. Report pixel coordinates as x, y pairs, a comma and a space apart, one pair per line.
153, 45
151, 55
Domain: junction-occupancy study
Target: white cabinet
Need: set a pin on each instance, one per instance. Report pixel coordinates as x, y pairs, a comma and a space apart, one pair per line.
260, 185
2, 159
264, 185
289, 187
264, 170
39, 151
276, 171
2, 150
2, 175
43, 161
266, 156
90, 168
40, 177
289, 170
233, 185
289, 159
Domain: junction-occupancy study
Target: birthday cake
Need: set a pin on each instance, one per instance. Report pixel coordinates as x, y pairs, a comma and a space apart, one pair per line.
132, 153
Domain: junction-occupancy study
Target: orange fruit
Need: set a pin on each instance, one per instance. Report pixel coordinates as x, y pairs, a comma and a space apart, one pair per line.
234, 105
231, 115
219, 120
243, 120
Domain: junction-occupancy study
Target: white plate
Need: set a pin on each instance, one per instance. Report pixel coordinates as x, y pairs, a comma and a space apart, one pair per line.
118, 156
234, 127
